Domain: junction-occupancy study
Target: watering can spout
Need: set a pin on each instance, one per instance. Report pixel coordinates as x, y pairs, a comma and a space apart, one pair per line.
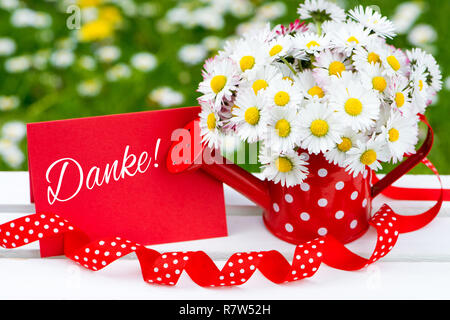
189, 153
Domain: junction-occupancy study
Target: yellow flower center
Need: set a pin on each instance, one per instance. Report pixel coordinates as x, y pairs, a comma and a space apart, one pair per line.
368, 157
211, 121
353, 107
282, 98
379, 83
218, 83
345, 145
394, 135
312, 44
289, 78
247, 63
283, 164
373, 58
393, 62
252, 115
399, 99
276, 49
336, 68
316, 91
259, 84
283, 128
319, 128
353, 39
420, 85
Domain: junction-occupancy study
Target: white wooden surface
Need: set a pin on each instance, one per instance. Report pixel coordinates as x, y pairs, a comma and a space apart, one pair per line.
417, 268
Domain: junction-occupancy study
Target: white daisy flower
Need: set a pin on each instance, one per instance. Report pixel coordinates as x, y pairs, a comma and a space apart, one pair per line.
309, 86
210, 124
422, 35
283, 129
192, 54
373, 77
249, 56
288, 169
279, 47
420, 88
319, 128
356, 106
310, 42
166, 97
89, 88
321, 11
370, 53
108, 54
220, 80
399, 92
249, 115
260, 33
338, 154
18, 64
12, 156
118, 72
350, 35
260, 79
400, 135
419, 57
366, 154
374, 21
282, 93
62, 58
394, 61
330, 63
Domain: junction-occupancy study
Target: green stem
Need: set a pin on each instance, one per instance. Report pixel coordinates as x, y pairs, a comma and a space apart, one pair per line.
319, 28
289, 65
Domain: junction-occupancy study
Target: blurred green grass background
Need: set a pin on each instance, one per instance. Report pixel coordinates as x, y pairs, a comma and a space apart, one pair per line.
52, 92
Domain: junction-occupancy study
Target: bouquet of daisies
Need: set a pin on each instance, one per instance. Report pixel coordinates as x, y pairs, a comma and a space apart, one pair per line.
331, 85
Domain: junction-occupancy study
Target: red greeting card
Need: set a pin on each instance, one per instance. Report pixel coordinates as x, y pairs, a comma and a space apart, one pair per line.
107, 175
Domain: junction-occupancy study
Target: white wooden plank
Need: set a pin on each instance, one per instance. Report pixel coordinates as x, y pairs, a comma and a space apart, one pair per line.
248, 233
62, 279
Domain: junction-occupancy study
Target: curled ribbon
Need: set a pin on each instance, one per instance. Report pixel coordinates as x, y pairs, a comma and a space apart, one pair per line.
166, 268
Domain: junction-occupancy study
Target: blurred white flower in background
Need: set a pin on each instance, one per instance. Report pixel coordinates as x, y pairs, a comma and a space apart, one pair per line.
447, 83
270, 11
421, 35
40, 59
144, 61
108, 54
241, 8
9, 4
406, 15
87, 62
9, 103
7, 46
192, 54
166, 97
118, 72
24, 17
62, 58
18, 64
212, 43
14, 131
90, 88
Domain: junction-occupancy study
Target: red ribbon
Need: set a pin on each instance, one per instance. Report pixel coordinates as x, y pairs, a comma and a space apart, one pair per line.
166, 268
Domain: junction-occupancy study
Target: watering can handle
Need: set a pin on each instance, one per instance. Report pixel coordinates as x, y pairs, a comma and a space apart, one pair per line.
408, 164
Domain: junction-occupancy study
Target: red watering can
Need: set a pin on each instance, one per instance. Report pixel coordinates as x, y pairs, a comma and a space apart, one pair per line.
330, 201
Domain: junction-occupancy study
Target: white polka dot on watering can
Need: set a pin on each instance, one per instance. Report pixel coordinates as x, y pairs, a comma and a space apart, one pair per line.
322, 202
340, 185
276, 207
354, 195
353, 224
322, 173
322, 231
304, 156
339, 215
305, 187
304, 216
288, 198
364, 203
289, 227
